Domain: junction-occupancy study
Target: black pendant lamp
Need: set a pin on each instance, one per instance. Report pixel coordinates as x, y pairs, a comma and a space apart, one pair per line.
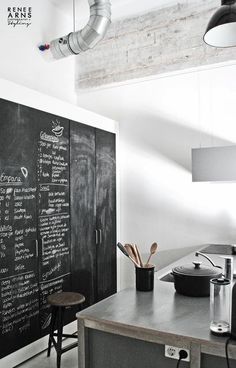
221, 30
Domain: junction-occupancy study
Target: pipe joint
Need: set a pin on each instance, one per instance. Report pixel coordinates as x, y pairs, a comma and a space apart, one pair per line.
76, 42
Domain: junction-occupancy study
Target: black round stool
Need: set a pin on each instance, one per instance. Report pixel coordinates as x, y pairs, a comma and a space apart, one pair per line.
59, 302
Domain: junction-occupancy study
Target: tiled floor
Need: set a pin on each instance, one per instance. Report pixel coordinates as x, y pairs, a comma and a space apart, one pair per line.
68, 360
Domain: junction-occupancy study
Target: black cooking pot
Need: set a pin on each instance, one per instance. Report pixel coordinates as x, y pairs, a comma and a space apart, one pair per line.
194, 279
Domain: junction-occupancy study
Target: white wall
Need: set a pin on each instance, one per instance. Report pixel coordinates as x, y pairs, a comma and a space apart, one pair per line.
20, 59
160, 121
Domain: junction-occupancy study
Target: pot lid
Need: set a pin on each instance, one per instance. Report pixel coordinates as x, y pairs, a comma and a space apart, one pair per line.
196, 269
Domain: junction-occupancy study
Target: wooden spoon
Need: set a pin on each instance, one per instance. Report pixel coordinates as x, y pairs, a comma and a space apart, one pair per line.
153, 250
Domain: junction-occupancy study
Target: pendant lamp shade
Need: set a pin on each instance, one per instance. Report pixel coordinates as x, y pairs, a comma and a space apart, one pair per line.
214, 164
221, 30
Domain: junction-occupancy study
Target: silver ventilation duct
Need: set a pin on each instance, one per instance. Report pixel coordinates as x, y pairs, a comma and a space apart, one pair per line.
76, 42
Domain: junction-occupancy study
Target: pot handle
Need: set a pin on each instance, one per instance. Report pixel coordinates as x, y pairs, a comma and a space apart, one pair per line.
197, 265
208, 258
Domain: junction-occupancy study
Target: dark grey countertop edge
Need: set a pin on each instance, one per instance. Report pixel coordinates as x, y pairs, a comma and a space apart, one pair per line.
215, 346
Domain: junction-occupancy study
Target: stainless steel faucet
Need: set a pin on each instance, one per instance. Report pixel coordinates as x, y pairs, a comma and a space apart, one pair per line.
208, 258
228, 270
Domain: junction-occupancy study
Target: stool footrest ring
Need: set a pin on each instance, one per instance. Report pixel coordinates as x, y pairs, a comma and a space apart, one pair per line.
66, 348
67, 336
69, 347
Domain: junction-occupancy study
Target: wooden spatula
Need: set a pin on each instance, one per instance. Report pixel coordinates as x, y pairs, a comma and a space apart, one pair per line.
124, 251
139, 255
132, 252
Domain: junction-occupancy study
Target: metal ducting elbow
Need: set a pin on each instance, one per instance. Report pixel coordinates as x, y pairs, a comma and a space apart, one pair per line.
76, 42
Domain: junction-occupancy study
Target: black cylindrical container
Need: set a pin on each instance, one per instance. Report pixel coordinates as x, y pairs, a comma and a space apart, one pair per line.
145, 278
194, 280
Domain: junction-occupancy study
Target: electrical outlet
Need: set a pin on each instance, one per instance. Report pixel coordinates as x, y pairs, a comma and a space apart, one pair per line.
173, 353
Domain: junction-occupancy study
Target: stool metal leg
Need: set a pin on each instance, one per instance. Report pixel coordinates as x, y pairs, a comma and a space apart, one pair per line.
52, 328
59, 335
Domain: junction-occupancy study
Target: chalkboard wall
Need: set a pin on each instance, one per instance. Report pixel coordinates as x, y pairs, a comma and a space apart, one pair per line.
37, 257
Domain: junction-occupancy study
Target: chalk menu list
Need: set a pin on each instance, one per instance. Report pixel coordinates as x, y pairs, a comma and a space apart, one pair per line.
53, 213
19, 307
34, 221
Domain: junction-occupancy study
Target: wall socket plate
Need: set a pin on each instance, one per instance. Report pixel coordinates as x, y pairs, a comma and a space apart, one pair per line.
173, 353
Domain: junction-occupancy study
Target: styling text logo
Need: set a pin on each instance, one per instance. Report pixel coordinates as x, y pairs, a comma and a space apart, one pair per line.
19, 16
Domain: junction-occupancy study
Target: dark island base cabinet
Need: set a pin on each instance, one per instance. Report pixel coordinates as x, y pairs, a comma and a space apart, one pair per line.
208, 361
93, 213
107, 350
49, 178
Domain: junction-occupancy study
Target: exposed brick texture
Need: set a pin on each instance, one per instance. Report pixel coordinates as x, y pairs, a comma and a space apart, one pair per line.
160, 41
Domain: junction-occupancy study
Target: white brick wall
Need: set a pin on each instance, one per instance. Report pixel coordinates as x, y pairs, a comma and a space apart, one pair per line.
160, 41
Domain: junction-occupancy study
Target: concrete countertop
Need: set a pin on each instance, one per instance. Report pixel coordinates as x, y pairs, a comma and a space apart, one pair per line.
163, 314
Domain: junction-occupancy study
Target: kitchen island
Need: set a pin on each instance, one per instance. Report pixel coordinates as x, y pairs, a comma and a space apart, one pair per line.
131, 329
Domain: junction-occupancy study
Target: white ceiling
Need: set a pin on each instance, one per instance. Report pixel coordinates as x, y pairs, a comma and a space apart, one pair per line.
120, 8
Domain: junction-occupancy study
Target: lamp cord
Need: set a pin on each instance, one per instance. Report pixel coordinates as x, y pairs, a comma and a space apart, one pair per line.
227, 351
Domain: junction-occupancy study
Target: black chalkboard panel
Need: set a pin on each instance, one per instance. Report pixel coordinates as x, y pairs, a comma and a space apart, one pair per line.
83, 224
57, 191
53, 206
34, 221
106, 213
19, 299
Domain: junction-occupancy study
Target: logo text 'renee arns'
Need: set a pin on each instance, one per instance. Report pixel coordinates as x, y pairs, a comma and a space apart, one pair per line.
19, 16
